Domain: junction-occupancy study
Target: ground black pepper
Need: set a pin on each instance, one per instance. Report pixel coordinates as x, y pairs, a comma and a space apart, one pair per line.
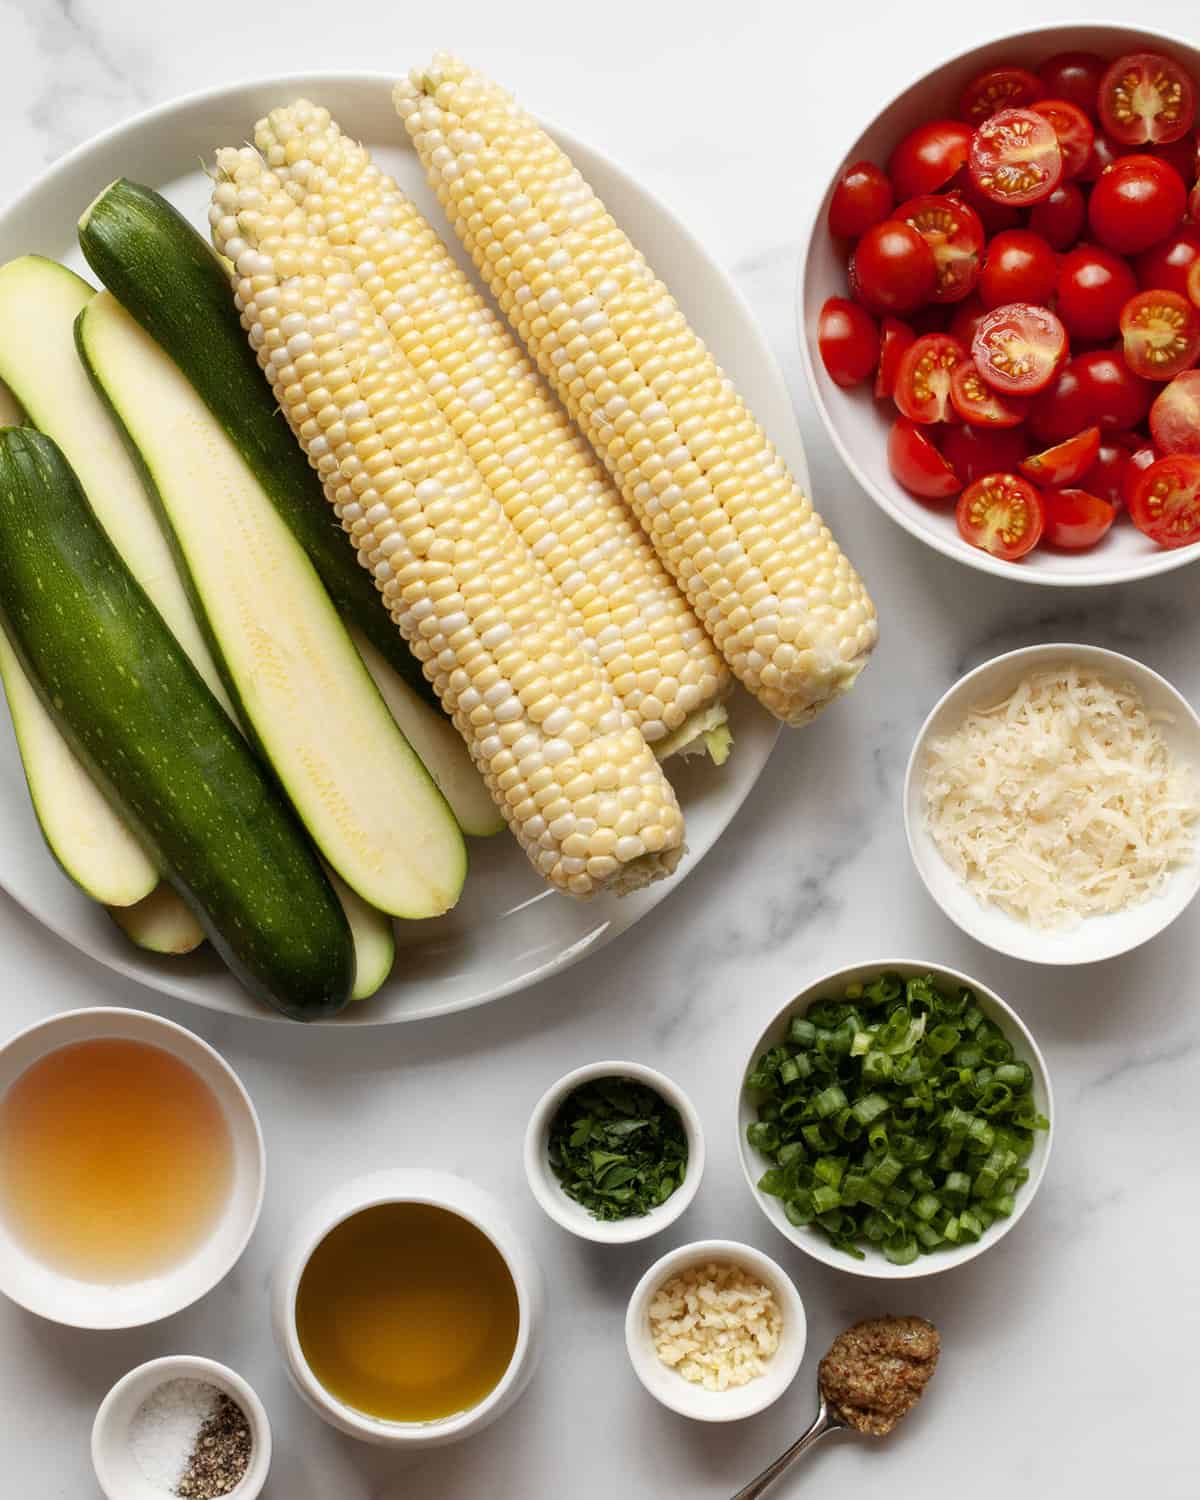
221, 1454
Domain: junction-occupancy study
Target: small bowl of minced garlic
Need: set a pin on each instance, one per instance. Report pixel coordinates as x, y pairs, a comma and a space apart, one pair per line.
716, 1330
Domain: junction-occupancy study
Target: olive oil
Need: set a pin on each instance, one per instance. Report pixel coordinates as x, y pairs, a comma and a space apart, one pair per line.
407, 1313
115, 1160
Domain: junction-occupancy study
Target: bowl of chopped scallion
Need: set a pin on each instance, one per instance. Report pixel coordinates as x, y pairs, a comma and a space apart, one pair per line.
614, 1152
894, 1119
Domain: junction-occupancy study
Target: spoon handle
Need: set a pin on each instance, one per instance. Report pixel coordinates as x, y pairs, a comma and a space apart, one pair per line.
824, 1423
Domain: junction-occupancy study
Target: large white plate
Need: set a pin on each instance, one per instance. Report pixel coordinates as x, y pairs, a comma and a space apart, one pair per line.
509, 929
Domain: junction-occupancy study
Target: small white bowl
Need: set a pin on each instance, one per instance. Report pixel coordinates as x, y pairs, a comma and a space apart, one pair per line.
857, 424
690, 1400
547, 1189
85, 1304
442, 1190
1096, 937
117, 1470
812, 1241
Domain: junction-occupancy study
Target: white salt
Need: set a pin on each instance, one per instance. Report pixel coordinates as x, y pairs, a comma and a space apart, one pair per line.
164, 1429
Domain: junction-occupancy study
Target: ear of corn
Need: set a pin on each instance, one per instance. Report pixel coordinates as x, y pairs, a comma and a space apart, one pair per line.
757, 563
661, 664
568, 768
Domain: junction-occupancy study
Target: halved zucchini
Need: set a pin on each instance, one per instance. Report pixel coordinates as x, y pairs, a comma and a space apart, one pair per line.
11, 414
374, 940
300, 686
160, 923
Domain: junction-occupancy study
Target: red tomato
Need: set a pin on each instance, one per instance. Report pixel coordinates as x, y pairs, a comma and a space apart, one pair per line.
1180, 154
976, 402
1019, 347
1146, 97
1161, 334
917, 465
1065, 463
928, 157
1175, 415
923, 379
1193, 281
1002, 513
1075, 76
975, 451
1015, 158
1194, 203
1074, 132
1137, 201
1097, 389
862, 196
1104, 153
954, 234
1166, 265
1076, 519
895, 339
1093, 286
994, 216
848, 341
892, 268
1019, 267
1136, 464
1166, 502
1059, 218
997, 89
967, 314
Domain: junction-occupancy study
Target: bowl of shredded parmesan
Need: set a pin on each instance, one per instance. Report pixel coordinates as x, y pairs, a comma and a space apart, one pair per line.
1052, 803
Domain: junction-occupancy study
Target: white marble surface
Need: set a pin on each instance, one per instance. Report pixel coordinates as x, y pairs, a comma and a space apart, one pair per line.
1070, 1351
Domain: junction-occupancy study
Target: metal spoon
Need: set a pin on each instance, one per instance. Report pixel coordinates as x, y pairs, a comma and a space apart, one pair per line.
823, 1424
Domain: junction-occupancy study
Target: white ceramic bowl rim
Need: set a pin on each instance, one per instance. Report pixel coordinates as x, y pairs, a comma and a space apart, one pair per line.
573, 1216
875, 1266
377, 1426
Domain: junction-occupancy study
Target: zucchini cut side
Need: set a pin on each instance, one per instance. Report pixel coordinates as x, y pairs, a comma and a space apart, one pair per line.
155, 740
301, 689
160, 923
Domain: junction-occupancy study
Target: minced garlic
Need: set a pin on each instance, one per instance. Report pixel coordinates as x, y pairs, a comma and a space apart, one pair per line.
715, 1325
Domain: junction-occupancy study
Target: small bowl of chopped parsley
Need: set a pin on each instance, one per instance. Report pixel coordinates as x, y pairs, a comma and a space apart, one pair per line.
894, 1119
614, 1152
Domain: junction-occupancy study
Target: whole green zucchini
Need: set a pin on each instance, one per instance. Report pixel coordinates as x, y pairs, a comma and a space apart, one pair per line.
144, 723
173, 283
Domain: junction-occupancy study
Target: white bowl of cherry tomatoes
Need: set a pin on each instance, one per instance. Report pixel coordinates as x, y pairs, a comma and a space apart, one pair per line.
1000, 306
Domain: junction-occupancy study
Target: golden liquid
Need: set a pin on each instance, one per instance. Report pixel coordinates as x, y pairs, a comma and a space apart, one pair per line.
407, 1313
115, 1160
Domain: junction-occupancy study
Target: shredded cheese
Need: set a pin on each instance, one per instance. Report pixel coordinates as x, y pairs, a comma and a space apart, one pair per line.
716, 1325
1061, 802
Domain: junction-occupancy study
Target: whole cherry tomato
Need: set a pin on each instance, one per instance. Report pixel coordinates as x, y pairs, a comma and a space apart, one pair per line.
1003, 514
928, 157
1146, 97
1015, 158
1136, 464
1104, 153
1175, 415
1097, 389
1160, 334
848, 341
917, 465
1166, 265
1075, 76
892, 268
862, 196
975, 451
1019, 267
1059, 219
1094, 285
1136, 202
1165, 503
1076, 519
1074, 131
1180, 154
1019, 348
997, 89
965, 321
895, 339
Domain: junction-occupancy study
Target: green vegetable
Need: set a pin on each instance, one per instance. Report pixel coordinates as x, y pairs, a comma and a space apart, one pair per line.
617, 1148
897, 1116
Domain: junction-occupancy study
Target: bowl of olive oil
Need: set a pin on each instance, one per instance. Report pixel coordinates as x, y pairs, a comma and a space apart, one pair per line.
407, 1310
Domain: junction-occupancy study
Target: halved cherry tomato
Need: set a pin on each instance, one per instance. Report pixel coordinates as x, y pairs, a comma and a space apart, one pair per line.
1075, 76
862, 196
1019, 348
848, 341
1136, 464
1136, 202
923, 380
1175, 415
954, 234
1015, 158
1002, 513
1073, 129
1166, 265
1065, 463
976, 402
1161, 334
1104, 153
997, 89
917, 465
1166, 502
892, 268
1093, 286
973, 452
967, 314
1193, 281
928, 157
1180, 154
1059, 218
895, 339
1194, 203
1019, 267
1146, 97
1097, 389
1076, 519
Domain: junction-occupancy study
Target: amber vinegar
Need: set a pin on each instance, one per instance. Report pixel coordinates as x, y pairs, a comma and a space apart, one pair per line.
116, 1160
